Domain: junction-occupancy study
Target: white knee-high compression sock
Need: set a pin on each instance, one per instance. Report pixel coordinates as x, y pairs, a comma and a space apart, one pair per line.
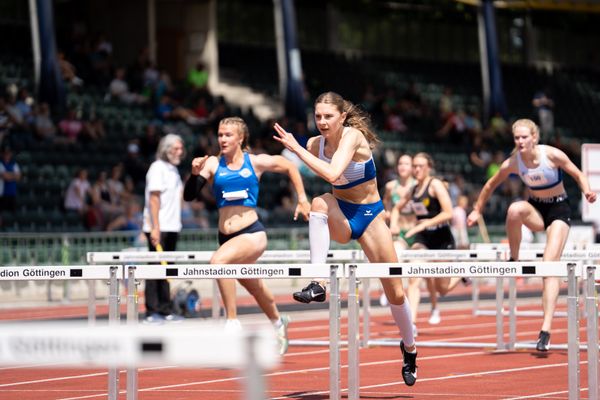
403, 318
318, 237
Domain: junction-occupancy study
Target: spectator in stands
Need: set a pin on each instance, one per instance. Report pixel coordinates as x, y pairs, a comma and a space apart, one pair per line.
78, 192
168, 111
134, 166
149, 142
234, 177
342, 155
119, 89
10, 174
6, 121
93, 129
540, 167
115, 183
67, 70
25, 106
544, 113
162, 221
44, 127
130, 220
70, 127
198, 78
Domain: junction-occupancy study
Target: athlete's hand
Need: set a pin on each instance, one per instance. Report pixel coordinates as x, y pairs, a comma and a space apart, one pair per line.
303, 208
473, 218
198, 164
286, 138
590, 196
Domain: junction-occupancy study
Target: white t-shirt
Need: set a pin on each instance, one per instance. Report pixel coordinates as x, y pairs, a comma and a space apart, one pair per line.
76, 194
164, 177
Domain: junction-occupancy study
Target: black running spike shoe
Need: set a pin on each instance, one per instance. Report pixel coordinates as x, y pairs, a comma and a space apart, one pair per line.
313, 292
543, 343
409, 367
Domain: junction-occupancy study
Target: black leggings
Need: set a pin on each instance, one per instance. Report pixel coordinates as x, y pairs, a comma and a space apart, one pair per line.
158, 292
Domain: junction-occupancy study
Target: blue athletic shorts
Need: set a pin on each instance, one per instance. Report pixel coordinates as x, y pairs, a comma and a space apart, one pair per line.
360, 215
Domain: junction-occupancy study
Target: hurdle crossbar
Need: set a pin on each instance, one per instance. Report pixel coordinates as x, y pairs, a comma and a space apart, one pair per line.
190, 345
333, 272
472, 269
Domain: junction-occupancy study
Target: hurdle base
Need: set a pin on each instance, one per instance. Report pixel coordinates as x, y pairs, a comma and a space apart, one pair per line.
505, 313
396, 343
315, 343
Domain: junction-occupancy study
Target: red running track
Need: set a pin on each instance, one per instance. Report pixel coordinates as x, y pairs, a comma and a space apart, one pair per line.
443, 373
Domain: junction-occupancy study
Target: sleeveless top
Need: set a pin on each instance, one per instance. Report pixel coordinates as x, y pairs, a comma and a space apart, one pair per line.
235, 187
395, 197
354, 174
542, 177
425, 206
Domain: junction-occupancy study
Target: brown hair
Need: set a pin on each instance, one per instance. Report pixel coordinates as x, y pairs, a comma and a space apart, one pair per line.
427, 157
355, 116
243, 129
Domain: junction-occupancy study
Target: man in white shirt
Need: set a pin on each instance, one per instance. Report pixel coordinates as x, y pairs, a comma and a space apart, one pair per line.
162, 220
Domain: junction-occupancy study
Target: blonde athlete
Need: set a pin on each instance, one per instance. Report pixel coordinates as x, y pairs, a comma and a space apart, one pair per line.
541, 169
234, 177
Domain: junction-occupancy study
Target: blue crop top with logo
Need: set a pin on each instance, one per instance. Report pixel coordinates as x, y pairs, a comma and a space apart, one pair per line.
542, 177
354, 174
235, 187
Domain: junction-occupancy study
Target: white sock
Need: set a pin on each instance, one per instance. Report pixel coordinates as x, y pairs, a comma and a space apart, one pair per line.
318, 237
277, 322
403, 318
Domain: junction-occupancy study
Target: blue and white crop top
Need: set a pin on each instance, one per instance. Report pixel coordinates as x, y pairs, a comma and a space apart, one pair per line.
354, 174
235, 187
542, 177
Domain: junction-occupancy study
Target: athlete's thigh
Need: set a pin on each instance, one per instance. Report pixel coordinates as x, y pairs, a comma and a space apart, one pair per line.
556, 238
530, 217
339, 227
377, 242
243, 249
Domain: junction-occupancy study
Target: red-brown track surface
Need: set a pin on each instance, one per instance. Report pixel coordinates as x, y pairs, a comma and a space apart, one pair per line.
304, 372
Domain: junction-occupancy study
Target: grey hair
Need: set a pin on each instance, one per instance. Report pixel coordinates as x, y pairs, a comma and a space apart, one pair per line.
165, 144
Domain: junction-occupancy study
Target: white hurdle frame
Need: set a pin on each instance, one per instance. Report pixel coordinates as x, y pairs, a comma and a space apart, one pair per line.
194, 345
431, 255
109, 273
240, 271
269, 256
591, 306
571, 270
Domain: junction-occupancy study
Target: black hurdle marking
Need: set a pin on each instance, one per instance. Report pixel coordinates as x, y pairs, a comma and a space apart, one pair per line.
116, 257
395, 270
539, 255
76, 273
294, 272
528, 269
191, 257
473, 255
152, 347
172, 272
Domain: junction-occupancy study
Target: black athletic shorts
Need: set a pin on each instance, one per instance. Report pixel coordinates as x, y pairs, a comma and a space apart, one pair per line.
552, 208
440, 238
257, 226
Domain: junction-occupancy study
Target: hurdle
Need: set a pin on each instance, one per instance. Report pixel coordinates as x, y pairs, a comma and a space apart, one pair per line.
269, 256
433, 255
110, 273
333, 272
591, 306
571, 270
193, 345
